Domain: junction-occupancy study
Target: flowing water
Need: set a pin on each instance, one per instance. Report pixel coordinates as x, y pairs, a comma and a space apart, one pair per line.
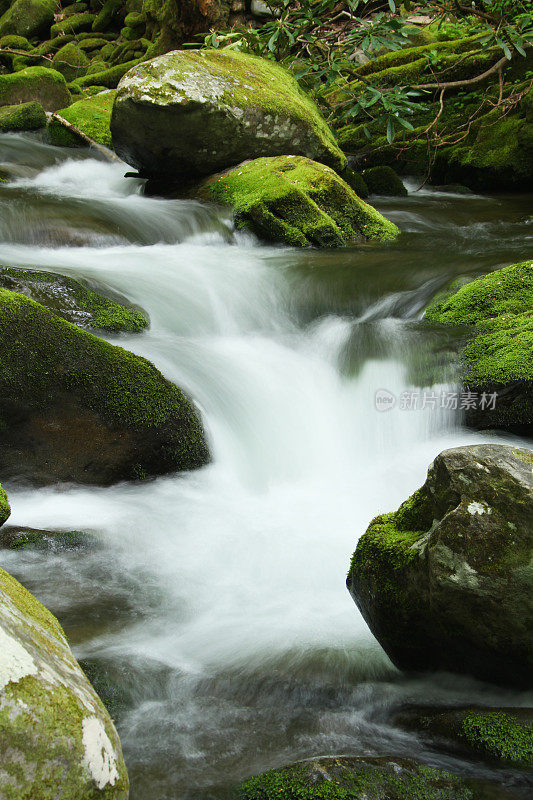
210, 609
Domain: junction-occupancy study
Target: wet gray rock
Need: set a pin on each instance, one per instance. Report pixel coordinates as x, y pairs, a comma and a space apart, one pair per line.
446, 582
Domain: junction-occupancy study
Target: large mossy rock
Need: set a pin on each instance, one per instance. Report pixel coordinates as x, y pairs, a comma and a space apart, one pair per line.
22, 117
201, 111
91, 115
70, 61
497, 735
28, 18
75, 408
75, 300
496, 311
296, 201
40, 84
446, 582
57, 739
350, 778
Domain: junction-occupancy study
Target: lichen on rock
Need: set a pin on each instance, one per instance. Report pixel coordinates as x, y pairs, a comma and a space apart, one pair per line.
55, 729
199, 111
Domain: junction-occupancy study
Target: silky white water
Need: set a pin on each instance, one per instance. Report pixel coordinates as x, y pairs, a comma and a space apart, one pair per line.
218, 596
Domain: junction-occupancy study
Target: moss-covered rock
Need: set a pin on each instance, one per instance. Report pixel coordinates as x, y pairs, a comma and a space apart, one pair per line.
498, 356
45, 86
383, 180
5, 510
170, 23
15, 42
110, 15
493, 734
28, 18
73, 24
23, 117
201, 111
75, 300
92, 44
108, 77
446, 582
71, 62
299, 202
350, 778
91, 115
356, 182
55, 730
76, 408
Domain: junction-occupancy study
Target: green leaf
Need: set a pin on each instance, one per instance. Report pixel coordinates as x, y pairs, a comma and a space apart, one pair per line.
390, 130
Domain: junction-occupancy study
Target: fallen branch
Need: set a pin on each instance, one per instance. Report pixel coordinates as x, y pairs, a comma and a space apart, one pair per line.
467, 82
105, 151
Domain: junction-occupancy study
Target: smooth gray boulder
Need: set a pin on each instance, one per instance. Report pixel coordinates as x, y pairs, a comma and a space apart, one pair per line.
446, 582
196, 112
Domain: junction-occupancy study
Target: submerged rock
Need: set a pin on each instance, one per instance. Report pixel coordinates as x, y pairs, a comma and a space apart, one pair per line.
55, 730
45, 86
366, 778
296, 201
446, 582
91, 115
494, 734
22, 117
76, 408
74, 300
199, 111
17, 537
498, 357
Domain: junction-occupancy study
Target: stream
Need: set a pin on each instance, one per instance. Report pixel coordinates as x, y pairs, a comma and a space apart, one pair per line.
210, 608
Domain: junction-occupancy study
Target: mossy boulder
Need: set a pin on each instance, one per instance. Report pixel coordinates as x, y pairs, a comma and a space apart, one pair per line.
45, 86
200, 111
351, 778
503, 736
15, 42
28, 18
497, 314
70, 61
76, 408
446, 581
383, 180
91, 115
73, 24
75, 300
296, 201
56, 731
110, 15
170, 23
108, 77
5, 510
22, 117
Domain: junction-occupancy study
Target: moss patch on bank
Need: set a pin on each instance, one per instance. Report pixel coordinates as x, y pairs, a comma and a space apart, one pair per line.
297, 201
91, 115
499, 736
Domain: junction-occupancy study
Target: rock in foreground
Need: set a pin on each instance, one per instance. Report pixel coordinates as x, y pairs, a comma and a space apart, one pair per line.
446, 582
349, 778
55, 730
76, 408
198, 112
296, 201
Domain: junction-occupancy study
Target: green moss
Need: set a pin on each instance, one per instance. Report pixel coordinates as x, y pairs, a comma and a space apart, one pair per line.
344, 779
109, 16
117, 384
73, 24
15, 42
406, 55
109, 77
22, 117
28, 18
384, 181
297, 201
46, 86
503, 351
91, 115
356, 182
70, 61
500, 736
5, 509
17, 538
29, 606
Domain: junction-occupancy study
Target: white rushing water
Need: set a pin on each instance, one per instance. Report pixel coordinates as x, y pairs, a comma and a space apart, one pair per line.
242, 563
